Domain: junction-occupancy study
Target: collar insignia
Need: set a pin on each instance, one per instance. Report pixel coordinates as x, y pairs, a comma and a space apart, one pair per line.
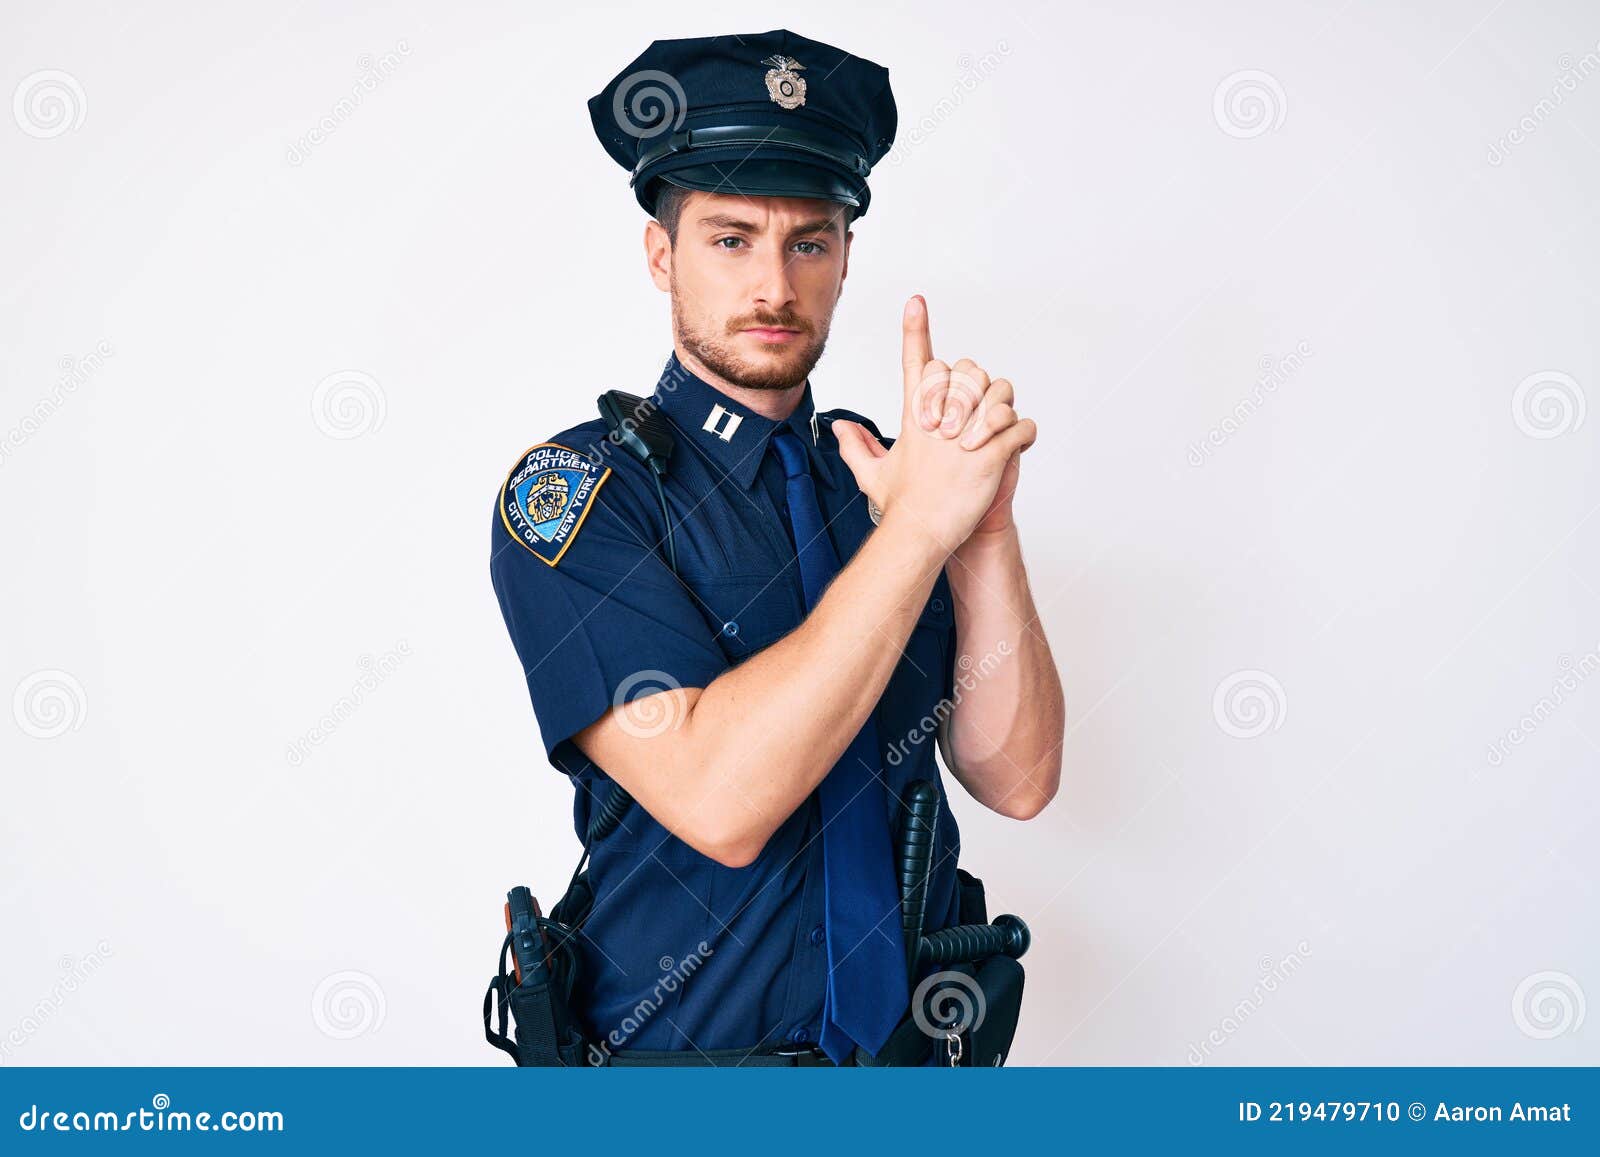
726, 429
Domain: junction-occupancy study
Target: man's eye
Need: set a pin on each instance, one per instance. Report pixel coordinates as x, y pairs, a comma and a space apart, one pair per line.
816, 247
735, 240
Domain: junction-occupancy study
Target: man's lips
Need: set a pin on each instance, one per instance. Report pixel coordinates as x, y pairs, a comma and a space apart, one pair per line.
773, 333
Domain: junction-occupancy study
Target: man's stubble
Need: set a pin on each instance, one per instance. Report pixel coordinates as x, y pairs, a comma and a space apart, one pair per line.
788, 365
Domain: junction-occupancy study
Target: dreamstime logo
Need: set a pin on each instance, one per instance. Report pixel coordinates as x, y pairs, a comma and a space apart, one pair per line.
347, 404
372, 71
648, 713
348, 1004
1566, 82
974, 71
1273, 374
75, 971
1249, 103
1547, 1005
633, 419
48, 704
951, 394
1249, 703
374, 670
972, 673
49, 103
1548, 404
74, 373
1573, 673
1273, 974
649, 103
674, 975
948, 1003
156, 1119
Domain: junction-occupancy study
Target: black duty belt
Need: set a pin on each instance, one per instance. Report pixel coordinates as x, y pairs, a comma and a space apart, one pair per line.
535, 981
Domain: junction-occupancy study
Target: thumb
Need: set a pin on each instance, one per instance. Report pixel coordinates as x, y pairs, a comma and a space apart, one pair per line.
856, 448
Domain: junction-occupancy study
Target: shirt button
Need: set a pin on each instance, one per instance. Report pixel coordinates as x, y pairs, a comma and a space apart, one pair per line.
799, 1036
938, 606
730, 628
818, 936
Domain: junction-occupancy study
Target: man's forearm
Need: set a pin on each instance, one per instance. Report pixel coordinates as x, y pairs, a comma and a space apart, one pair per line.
763, 735
1006, 731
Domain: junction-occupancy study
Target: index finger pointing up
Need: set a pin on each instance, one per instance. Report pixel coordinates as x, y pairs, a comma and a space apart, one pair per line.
916, 348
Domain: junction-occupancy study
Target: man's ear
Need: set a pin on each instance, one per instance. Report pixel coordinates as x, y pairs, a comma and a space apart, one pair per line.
658, 255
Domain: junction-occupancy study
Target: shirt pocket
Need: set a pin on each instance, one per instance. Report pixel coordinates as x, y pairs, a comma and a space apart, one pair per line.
747, 614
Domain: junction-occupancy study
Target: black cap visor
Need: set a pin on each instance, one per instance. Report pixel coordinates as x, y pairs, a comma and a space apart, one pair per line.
761, 178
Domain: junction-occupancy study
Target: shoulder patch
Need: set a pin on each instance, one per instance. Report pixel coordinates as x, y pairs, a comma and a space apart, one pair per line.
546, 497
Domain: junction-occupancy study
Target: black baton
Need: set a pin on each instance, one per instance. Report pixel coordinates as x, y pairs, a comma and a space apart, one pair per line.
916, 862
1007, 936
961, 943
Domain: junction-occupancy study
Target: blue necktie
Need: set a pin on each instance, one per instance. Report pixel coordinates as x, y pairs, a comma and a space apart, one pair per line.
867, 989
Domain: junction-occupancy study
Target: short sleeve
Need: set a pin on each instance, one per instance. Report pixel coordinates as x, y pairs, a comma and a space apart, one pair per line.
606, 623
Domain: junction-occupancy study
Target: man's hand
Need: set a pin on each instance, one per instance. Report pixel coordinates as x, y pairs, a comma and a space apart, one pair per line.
1003, 739
948, 486
968, 406
998, 517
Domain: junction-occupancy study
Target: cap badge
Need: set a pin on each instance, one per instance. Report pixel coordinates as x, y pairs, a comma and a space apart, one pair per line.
785, 88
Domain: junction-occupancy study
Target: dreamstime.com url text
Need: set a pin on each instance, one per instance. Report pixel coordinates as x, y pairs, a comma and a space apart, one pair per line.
159, 1118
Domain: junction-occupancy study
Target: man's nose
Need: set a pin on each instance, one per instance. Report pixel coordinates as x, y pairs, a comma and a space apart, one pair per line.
774, 289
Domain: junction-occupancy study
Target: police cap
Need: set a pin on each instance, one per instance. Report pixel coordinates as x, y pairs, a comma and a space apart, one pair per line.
768, 114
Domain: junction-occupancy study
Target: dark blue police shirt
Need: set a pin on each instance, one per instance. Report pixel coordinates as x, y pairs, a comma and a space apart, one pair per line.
681, 952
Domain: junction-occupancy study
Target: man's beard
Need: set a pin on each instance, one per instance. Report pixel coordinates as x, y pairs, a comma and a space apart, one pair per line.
791, 364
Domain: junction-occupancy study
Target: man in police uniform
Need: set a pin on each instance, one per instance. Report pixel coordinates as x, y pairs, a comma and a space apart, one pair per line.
759, 651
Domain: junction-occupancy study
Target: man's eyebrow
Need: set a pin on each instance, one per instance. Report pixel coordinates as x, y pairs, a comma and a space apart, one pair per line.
820, 225
723, 221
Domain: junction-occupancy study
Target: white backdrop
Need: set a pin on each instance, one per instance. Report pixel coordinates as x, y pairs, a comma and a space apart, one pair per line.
1303, 297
